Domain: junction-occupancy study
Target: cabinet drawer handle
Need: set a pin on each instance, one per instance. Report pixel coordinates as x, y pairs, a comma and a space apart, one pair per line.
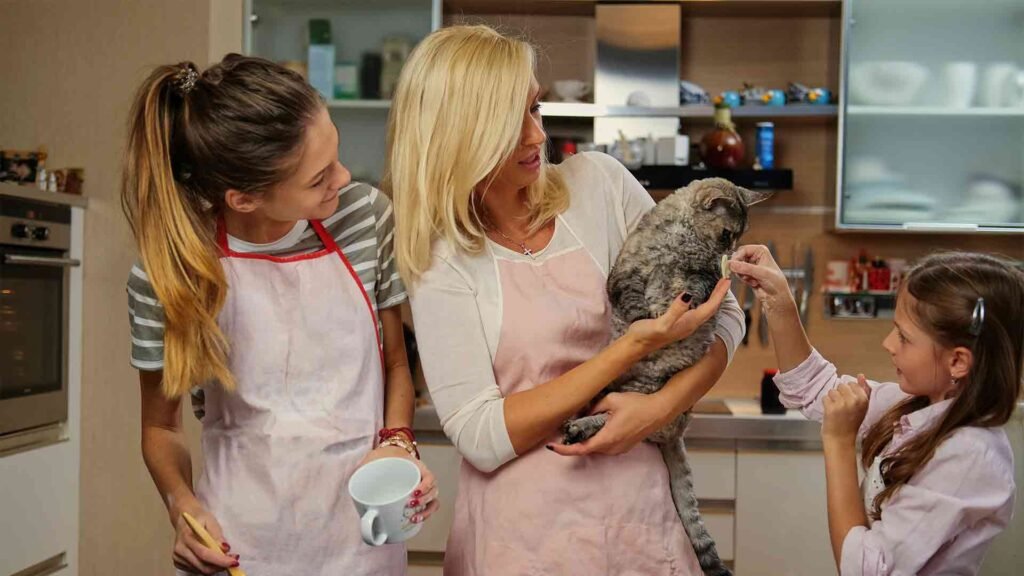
41, 261
939, 227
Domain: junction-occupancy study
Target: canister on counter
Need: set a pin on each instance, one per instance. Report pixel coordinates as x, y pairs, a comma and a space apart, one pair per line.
765, 145
770, 402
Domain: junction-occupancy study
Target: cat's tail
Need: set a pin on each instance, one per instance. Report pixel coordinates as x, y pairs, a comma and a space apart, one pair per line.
681, 481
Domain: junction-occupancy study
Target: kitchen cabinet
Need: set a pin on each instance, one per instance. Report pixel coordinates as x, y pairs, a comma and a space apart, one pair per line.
932, 121
444, 461
279, 30
781, 514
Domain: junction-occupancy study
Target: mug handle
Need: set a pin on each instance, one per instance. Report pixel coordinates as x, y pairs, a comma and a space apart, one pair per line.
367, 528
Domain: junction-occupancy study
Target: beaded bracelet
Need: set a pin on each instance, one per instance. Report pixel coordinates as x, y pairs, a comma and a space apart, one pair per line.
386, 433
400, 442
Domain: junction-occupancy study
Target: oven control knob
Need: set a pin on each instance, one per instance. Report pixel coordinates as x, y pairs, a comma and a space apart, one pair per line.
20, 231
40, 233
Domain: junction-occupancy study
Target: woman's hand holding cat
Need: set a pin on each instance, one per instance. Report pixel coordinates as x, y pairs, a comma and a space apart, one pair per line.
678, 322
632, 417
756, 267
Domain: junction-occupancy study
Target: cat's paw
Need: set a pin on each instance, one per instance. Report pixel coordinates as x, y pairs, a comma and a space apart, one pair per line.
580, 429
572, 433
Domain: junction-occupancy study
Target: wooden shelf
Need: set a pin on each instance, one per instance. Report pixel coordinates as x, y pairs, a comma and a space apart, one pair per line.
671, 177
716, 8
588, 110
31, 192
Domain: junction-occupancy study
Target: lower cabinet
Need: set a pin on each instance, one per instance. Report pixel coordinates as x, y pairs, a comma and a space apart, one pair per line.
765, 509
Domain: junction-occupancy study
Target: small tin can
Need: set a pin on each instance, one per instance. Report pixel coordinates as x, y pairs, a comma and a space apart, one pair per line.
766, 145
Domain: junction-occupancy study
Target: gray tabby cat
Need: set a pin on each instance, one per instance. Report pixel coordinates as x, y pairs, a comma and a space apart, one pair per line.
677, 247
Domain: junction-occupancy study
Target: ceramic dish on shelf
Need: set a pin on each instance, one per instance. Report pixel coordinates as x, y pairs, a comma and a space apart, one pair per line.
886, 83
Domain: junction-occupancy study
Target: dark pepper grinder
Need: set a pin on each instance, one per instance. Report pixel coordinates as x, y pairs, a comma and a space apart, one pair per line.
770, 403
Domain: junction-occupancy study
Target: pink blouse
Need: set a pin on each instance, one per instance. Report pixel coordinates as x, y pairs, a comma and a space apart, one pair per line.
944, 519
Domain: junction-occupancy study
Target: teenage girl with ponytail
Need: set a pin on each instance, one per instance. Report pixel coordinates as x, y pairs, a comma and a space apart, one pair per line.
939, 468
265, 289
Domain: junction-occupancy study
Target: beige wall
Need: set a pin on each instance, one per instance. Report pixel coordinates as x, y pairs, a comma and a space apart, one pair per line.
70, 69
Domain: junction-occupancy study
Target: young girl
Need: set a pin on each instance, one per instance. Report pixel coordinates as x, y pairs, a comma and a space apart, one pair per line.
266, 279
939, 484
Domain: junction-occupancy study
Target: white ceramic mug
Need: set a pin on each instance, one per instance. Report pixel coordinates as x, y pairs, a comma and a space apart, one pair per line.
997, 84
380, 491
959, 81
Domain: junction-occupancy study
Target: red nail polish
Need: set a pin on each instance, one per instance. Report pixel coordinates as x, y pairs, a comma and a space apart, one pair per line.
414, 503
225, 546
417, 493
234, 564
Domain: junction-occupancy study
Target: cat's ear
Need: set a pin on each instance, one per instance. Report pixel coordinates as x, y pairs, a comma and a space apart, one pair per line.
716, 195
751, 197
721, 205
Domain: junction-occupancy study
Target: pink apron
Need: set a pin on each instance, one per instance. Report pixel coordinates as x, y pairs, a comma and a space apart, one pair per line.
545, 514
310, 398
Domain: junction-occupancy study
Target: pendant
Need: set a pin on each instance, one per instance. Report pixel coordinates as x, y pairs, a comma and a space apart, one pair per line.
527, 252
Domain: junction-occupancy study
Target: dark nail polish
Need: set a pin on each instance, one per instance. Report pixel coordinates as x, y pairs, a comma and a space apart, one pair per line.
225, 546
550, 447
687, 297
234, 564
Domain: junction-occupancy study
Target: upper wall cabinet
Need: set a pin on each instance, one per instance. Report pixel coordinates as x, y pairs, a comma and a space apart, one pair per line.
932, 122
352, 51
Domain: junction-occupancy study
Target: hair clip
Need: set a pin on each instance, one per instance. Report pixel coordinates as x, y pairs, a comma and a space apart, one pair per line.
977, 317
183, 172
186, 79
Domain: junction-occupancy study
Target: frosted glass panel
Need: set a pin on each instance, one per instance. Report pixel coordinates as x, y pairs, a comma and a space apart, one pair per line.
934, 119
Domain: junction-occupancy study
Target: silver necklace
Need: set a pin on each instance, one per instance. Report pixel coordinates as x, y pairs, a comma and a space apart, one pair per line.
522, 245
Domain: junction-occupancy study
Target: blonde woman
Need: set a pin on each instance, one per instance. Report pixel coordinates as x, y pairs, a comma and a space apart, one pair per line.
506, 257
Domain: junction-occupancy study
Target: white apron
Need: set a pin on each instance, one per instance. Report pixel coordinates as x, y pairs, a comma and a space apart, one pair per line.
279, 451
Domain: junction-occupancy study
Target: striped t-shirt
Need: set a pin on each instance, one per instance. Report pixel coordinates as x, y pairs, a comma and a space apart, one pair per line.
363, 227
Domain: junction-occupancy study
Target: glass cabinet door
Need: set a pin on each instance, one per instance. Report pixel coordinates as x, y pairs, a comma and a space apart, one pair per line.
933, 116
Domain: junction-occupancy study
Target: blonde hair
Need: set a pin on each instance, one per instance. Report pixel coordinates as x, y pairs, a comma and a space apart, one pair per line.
183, 154
456, 117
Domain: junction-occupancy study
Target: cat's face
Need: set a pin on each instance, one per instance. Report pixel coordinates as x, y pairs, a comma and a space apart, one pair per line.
718, 211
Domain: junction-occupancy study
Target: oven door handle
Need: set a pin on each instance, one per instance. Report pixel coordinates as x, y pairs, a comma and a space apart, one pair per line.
41, 261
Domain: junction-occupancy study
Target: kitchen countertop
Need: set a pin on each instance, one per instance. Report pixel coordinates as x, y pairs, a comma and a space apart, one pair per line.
29, 192
727, 423
716, 422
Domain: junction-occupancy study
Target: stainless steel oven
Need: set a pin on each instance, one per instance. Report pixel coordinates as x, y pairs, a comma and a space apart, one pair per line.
34, 281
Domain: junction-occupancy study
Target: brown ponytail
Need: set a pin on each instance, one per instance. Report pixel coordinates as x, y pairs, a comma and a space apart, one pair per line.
192, 137
946, 288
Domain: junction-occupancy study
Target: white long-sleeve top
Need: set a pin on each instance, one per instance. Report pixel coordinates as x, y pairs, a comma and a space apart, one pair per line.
457, 304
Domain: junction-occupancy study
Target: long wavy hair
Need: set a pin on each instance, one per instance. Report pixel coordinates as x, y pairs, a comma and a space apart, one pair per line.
456, 117
945, 288
192, 136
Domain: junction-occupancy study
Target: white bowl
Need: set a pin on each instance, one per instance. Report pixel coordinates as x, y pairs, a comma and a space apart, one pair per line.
886, 83
571, 90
